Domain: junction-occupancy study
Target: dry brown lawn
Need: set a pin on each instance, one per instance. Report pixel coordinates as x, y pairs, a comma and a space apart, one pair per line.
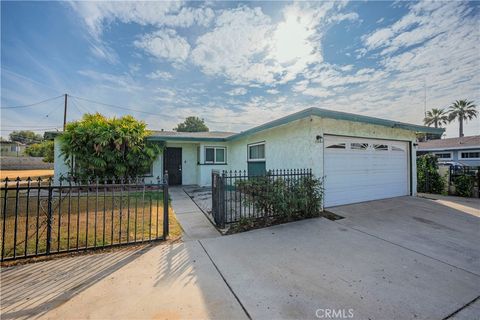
24, 174
81, 222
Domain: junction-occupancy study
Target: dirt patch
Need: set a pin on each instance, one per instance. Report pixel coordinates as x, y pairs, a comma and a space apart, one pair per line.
24, 174
331, 216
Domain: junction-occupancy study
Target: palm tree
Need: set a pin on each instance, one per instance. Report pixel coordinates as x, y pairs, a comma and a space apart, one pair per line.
462, 110
437, 117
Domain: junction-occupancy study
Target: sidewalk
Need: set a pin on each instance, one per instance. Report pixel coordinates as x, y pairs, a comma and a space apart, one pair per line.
467, 205
192, 220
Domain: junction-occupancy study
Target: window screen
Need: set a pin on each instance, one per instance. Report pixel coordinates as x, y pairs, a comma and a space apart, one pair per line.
256, 152
219, 155
209, 155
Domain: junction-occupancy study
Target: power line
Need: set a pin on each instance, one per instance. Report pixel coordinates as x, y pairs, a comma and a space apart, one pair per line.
120, 107
150, 113
33, 104
80, 108
27, 126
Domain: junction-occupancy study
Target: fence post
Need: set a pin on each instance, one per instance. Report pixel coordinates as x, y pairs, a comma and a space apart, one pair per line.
49, 218
165, 206
222, 212
5, 198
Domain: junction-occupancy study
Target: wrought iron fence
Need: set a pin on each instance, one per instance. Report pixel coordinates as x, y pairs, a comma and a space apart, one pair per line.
237, 195
473, 172
40, 218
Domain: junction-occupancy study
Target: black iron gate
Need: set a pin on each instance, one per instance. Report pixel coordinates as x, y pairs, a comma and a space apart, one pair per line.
39, 218
237, 195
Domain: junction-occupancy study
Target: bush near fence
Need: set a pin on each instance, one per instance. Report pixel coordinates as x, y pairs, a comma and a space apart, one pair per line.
464, 181
429, 179
278, 196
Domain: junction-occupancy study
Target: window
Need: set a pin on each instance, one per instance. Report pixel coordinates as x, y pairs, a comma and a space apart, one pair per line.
219, 155
216, 155
380, 147
471, 155
256, 152
337, 146
397, 149
359, 146
443, 155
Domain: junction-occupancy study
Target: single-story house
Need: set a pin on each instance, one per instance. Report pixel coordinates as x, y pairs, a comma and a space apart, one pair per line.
360, 158
463, 150
12, 148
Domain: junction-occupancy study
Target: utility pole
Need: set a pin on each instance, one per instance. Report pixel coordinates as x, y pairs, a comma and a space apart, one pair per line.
425, 102
425, 97
65, 112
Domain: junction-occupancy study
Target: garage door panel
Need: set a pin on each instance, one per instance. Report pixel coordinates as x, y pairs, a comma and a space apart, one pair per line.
355, 175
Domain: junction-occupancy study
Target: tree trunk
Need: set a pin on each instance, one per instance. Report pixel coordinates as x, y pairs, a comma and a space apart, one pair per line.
460, 127
436, 124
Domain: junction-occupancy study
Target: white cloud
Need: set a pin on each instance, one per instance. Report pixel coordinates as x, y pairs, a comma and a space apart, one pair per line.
165, 44
378, 38
425, 21
247, 48
273, 91
112, 81
232, 48
98, 15
318, 92
237, 92
159, 75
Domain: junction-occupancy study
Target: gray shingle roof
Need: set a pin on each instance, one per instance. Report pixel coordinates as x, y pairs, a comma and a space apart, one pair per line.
450, 143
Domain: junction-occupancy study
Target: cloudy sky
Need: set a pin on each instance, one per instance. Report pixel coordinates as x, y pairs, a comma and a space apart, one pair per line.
236, 64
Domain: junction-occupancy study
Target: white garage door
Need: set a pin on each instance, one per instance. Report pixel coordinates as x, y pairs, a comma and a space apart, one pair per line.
359, 169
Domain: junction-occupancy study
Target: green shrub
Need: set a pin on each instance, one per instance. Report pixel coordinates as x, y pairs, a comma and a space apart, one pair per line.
43, 149
107, 147
290, 199
464, 185
428, 178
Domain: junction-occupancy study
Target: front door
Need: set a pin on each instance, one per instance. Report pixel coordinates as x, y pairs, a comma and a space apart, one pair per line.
172, 163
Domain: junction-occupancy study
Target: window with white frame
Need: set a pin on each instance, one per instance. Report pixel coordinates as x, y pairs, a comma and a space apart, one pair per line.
215, 155
443, 155
256, 152
470, 155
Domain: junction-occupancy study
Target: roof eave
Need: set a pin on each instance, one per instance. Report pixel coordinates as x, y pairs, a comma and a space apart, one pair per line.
323, 113
185, 139
449, 148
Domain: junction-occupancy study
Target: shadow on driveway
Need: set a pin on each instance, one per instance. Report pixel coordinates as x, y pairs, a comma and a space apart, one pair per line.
29, 291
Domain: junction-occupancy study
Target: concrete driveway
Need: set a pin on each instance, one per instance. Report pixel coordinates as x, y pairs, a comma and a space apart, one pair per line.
402, 258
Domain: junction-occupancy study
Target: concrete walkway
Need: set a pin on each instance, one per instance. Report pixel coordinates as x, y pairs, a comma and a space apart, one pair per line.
192, 220
467, 205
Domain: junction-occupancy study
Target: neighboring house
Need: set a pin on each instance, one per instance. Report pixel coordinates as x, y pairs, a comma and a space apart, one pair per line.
12, 148
464, 150
361, 158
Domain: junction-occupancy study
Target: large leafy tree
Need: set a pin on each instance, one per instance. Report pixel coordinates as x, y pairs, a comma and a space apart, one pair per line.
105, 147
462, 110
192, 124
437, 117
25, 136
